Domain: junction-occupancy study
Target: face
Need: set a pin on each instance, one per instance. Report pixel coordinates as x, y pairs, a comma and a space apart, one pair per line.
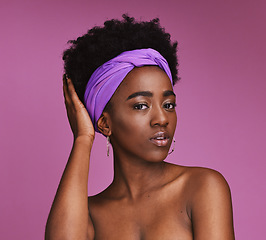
143, 118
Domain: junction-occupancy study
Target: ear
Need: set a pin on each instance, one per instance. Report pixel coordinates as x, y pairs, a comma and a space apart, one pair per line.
103, 124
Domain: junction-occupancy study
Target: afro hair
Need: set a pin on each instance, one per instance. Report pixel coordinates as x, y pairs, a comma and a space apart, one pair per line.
101, 44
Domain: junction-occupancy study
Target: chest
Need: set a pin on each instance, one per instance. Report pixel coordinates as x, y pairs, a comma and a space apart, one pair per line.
152, 218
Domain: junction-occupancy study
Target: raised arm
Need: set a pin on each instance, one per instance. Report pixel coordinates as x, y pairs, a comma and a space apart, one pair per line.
212, 216
69, 215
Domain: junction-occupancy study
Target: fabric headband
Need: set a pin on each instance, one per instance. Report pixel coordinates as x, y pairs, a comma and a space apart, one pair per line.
106, 78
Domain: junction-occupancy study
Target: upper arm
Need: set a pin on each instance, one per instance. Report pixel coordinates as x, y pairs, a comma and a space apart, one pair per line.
211, 208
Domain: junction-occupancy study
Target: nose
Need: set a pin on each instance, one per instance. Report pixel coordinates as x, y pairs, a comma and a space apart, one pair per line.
159, 117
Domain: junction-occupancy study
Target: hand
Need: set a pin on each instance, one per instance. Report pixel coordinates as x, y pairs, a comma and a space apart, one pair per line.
77, 114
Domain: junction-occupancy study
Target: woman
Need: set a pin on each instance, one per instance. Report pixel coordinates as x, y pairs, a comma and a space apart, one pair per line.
129, 98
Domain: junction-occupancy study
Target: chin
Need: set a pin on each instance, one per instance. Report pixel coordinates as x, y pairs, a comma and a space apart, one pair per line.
157, 156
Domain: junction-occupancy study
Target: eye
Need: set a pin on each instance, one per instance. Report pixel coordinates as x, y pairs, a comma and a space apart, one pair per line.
140, 106
170, 106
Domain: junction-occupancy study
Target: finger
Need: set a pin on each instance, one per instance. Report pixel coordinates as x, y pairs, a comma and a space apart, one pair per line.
65, 91
72, 93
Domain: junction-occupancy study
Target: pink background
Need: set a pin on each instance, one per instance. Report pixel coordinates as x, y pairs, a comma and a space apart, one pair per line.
220, 101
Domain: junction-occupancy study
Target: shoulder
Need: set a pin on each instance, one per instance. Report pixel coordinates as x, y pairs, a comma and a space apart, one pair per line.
205, 178
200, 184
205, 184
200, 179
209, 204
202, 187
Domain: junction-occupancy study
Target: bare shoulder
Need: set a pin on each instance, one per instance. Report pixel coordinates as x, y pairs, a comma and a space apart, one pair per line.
204, 184
200, 178
209, 204
206, 178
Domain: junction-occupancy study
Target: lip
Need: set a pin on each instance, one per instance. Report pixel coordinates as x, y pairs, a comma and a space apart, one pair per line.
160, 139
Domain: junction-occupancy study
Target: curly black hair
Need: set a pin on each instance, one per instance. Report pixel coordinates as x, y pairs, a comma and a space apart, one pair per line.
101, 44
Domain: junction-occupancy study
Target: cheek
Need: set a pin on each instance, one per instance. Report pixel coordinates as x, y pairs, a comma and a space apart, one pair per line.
128, 123
129, 133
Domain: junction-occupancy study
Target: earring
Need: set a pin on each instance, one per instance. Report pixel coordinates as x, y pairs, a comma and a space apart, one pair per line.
108, 145
173, 149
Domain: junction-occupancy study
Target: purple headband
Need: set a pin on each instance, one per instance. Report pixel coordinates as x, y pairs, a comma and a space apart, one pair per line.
106, 78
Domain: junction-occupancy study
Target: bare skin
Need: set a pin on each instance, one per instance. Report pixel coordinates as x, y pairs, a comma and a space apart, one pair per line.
148, 198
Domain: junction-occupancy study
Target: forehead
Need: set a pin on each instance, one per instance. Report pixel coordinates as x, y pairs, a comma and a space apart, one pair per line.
146, 78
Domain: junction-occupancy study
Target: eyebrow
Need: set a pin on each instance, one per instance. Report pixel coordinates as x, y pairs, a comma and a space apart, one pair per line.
168, 93
150, 94
143, 93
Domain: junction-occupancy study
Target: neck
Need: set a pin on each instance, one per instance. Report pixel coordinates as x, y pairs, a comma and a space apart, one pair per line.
134, 177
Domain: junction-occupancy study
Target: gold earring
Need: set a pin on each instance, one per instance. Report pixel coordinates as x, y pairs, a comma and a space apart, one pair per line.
173, 149
108, 146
